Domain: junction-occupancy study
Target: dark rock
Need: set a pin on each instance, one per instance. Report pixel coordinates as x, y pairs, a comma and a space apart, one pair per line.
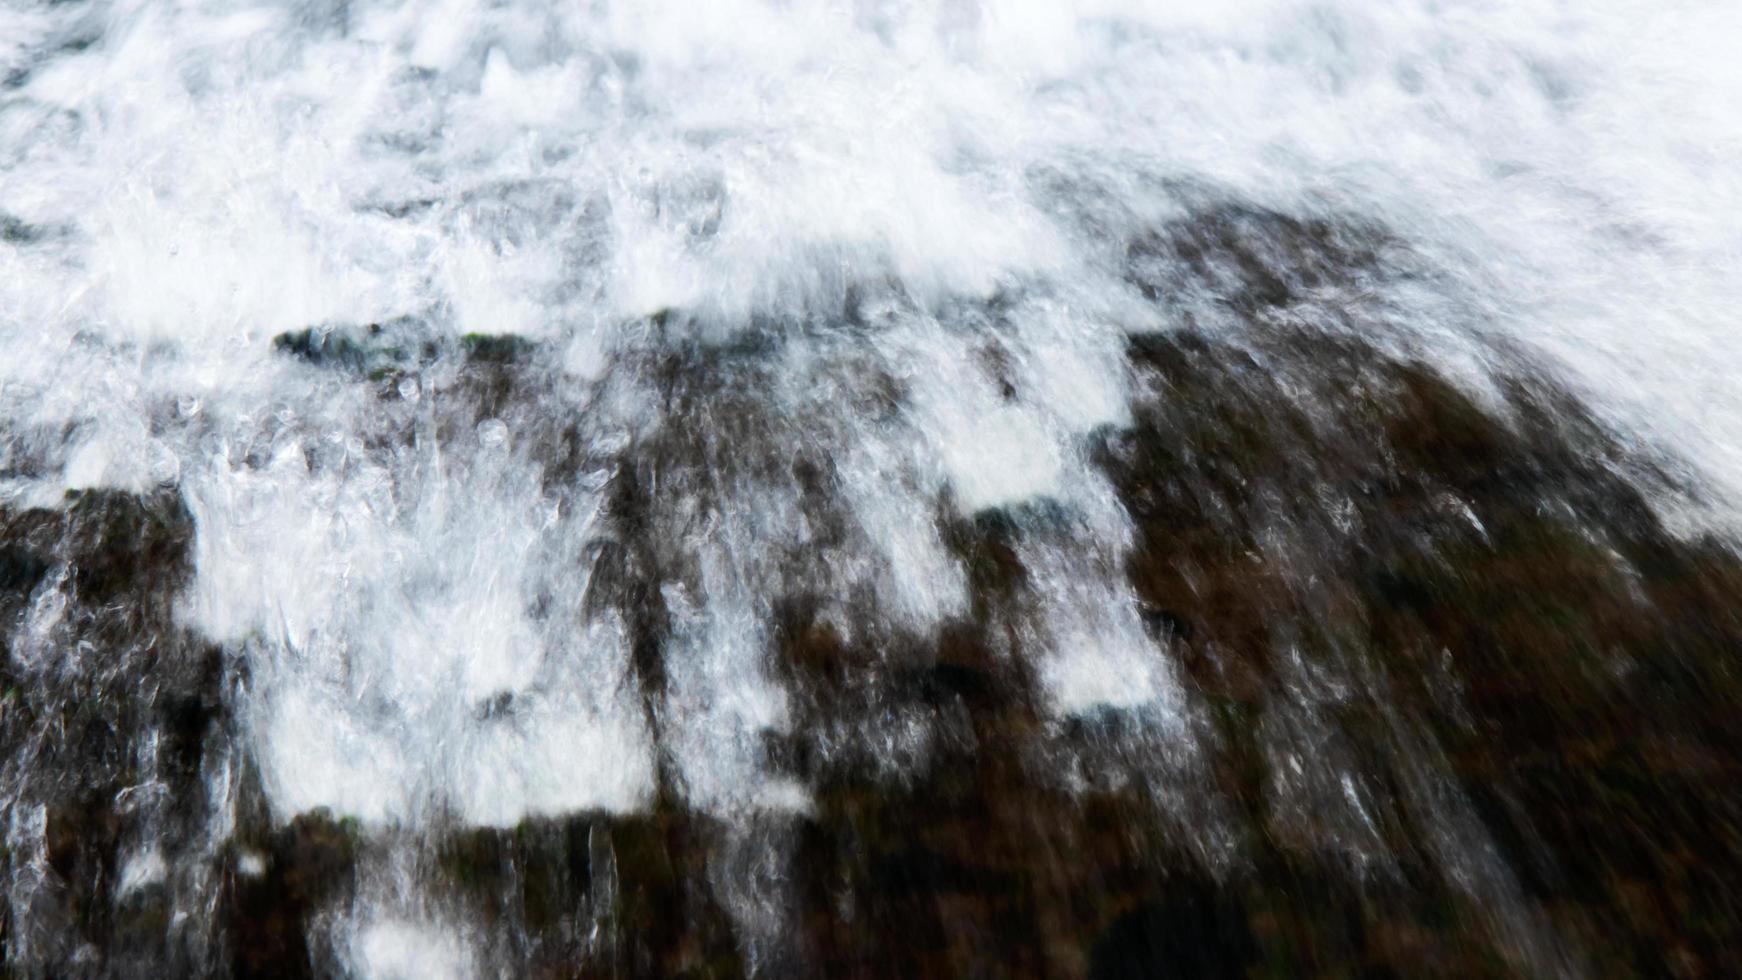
268, 916
495, 348
15, 230
121, 676
375, 350
1490, 576
1192, 930
20, 569
1459, 704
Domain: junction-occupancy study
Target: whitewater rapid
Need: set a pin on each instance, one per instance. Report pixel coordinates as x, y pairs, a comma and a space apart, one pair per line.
407, 573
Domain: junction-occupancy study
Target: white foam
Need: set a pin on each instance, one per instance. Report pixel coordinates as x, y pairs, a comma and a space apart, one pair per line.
213, 174
395, 663
141, 870
404, 949
722, 700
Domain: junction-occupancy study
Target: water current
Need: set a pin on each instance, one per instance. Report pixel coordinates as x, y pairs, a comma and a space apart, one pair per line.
870, 488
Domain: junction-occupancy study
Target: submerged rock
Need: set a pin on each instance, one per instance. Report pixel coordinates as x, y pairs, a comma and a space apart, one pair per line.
1496, 609
274, 887
1443, 696
499, 348
374, 349
108, 708
17, 231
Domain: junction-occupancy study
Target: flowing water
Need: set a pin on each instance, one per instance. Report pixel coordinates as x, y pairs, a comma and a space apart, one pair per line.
870, 488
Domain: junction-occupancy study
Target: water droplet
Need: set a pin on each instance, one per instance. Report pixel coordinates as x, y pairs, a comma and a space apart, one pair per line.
492, 432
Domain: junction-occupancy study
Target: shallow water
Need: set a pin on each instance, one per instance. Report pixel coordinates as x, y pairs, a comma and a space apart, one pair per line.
869, 488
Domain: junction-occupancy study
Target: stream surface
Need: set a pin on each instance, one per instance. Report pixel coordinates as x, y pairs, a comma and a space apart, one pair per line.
870, 488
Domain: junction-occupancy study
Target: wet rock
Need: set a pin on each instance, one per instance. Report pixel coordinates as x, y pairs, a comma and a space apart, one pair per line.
20, 569
1306, 499
1191, 930
107, 712
1254, 259
375, 350
17, 231
623, 895
268, 911
1456, 703
495, 348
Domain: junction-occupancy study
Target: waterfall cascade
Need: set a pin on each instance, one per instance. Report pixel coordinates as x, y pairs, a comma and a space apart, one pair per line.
869, 488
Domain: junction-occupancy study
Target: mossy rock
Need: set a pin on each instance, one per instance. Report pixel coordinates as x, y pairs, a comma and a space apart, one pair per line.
17, 231
374, 350
504, 348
